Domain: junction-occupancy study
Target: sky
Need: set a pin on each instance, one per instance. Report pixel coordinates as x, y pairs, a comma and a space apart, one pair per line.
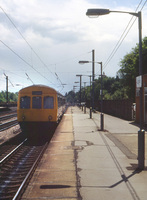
42, 42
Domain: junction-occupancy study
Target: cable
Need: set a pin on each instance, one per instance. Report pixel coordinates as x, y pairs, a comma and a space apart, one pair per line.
32, 48
24, 60
25, 39
143, 5
123, 36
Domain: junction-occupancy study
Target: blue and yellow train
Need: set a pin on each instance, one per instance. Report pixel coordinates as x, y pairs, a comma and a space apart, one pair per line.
39, 108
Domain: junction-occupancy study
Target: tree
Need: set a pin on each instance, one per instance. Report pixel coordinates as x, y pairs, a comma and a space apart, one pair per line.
71, 97
123, 85
130, 68
12, 97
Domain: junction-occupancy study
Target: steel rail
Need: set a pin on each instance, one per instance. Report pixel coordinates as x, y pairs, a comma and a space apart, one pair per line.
8, 125
5, 117
13, 151
30, 173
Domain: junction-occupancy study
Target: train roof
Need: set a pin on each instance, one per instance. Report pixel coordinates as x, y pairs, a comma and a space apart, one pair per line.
29, 88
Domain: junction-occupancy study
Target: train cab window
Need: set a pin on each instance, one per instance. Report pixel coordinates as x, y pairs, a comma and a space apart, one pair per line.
25, 102
48, 102
37, 102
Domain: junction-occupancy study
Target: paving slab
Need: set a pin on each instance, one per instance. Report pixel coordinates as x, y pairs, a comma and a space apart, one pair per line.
55, 176
84, 163
104, 168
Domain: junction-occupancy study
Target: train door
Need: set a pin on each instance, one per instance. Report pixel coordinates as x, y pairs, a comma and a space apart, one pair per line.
145, 105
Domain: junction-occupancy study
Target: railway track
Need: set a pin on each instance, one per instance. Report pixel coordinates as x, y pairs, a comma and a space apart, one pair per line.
9, 112
11, 151
9, 145
7, 125
5, 117
17, 168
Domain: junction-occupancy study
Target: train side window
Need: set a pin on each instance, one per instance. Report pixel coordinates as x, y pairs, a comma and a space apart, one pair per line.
36, 102
48, 102
59, 102
25, 102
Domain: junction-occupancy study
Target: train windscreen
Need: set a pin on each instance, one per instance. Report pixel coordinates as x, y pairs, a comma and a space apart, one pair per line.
25, 102
48, 102
37, 102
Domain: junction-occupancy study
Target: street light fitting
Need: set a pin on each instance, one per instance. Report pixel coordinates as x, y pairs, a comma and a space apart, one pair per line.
83, 62
95, 12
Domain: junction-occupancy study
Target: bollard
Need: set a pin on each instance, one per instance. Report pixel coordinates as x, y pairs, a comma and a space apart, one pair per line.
82, 108
102, 121
90, 112
141, 149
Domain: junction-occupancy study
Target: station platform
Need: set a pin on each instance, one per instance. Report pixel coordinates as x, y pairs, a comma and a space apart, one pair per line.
84, 163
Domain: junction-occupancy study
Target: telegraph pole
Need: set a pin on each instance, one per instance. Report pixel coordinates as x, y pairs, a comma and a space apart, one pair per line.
93, 76
80, 86
6, 88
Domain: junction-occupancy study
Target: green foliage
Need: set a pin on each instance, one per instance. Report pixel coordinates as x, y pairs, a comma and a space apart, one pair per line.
71, 97
130, 68
112, 88
123, 86
12, 97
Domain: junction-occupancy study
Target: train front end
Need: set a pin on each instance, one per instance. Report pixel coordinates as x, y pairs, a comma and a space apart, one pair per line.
37, 109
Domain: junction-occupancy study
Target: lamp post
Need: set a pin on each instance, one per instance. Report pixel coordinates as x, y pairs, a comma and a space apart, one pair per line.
74, 87
80, 85
93, 77
101, 91
141, 132
90, 91
6, 89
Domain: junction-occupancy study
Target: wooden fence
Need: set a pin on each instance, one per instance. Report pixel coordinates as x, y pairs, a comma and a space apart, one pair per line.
118, 108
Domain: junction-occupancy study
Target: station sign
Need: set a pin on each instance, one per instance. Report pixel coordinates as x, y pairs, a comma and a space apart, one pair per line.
139, 81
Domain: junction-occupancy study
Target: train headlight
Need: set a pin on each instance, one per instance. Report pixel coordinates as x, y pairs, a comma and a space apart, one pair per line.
50, 117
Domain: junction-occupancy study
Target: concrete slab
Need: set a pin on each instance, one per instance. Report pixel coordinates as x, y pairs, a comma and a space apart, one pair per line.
99, 193
55, 176
84, 163
51, 191
106, 167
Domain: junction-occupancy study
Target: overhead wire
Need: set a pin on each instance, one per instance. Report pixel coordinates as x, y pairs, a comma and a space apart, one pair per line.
25, 39
123, 36
11, 72
32, 51
30, 48
120, 40
28, 45
23, 60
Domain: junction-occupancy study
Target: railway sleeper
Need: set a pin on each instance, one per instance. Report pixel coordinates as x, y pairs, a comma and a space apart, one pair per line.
17, 181
10, 176
9, 189
7, 196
